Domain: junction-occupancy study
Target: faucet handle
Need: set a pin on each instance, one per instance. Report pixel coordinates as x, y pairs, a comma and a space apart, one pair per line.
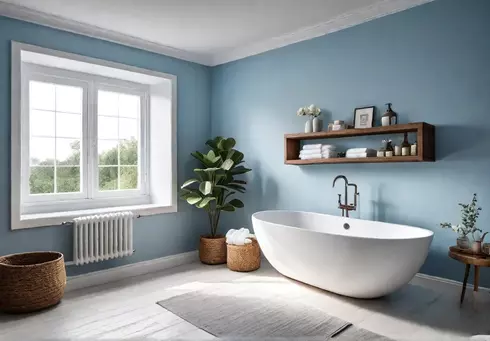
340, 198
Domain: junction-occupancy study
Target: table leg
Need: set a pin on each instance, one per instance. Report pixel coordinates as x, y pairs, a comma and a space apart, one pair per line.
466, 274
477, 278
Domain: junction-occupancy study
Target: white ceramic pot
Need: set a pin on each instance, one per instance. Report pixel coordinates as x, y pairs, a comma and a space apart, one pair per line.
308, 126
317, 125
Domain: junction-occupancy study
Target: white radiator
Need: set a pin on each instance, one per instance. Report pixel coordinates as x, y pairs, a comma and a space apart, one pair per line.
101, 237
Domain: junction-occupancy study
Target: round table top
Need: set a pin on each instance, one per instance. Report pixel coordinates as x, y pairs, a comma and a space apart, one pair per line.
469, 259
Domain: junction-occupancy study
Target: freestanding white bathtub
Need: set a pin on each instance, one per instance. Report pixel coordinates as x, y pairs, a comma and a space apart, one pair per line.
351, 257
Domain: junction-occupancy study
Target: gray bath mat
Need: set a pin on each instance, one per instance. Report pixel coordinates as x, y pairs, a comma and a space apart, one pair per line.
249, 317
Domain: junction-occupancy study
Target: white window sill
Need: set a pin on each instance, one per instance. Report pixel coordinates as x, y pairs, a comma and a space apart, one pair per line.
57, 218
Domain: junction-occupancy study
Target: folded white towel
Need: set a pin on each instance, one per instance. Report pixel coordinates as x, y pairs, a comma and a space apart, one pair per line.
239, 237
328, 147
312, 146
357, 150
311, 156
310, 151
353, 156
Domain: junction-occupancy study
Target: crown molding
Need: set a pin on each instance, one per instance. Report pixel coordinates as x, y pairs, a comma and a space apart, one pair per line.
346, 20
37, 17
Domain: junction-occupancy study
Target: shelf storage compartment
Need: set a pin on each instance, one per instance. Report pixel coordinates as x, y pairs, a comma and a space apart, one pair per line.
425, 144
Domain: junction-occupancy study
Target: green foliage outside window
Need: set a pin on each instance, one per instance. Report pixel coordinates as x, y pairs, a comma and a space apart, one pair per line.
68, 171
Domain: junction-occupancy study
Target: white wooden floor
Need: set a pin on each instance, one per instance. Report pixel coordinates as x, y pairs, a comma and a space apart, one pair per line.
423, 310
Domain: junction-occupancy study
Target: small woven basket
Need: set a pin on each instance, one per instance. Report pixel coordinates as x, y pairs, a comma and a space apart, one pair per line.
212, 251
31, 281
244, 258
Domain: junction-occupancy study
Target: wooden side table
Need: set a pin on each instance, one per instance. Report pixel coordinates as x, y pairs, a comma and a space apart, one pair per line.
476, 260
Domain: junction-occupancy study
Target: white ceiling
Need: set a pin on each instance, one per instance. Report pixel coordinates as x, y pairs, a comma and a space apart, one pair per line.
207, 31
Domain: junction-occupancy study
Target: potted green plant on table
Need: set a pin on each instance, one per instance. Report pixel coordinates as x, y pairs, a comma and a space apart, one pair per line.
469, 214
213, 189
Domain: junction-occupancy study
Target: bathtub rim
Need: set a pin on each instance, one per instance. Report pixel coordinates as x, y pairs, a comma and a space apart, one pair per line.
429, 236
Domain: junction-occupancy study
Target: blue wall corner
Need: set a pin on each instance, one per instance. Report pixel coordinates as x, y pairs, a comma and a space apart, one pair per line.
432, 62
155, 236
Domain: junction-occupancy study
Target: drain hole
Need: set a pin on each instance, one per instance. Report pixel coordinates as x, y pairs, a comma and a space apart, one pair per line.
346, 226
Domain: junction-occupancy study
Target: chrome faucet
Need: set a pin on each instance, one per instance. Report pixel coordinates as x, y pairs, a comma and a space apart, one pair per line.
345, 207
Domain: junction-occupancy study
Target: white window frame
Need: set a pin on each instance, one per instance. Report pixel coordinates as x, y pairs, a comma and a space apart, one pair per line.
147, 200
90, 196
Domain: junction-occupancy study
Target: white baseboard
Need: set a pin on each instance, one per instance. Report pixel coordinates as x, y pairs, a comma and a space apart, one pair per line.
130, 270
449, 281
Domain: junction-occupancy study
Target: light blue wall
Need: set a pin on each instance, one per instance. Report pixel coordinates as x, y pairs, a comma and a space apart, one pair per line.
432, 62
155, 236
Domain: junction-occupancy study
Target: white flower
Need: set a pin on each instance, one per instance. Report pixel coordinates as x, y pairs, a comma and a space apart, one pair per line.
313, 110
301, 112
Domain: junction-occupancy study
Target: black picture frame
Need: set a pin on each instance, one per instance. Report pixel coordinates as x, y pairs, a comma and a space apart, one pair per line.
367, 118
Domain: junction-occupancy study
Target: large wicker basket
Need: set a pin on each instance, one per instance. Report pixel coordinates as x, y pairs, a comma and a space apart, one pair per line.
31, 281
244, 258
212, 250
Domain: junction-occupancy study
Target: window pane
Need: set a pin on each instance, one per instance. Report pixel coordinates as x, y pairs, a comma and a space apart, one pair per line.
107, 103
107, 127
41, 180
42, 151
128, 128
129, 177
128, 152
107, 178
67, 152
108, 152
42, 123
68, 125
67, 179
129, 106
41, 96
69, 99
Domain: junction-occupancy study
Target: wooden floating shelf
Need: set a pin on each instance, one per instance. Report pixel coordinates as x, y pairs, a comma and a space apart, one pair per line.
425, 144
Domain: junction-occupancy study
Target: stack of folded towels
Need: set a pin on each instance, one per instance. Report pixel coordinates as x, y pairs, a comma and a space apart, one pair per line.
360, 152
317, 151
239, 237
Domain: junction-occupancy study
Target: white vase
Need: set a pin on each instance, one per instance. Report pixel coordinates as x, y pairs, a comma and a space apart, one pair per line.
317, 125
308, 126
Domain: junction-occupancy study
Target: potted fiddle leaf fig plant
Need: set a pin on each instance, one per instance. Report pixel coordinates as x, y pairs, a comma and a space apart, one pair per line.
212, 190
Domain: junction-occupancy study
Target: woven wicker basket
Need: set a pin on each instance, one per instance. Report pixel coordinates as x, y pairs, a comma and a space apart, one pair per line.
212, 250
244, 258
31, 281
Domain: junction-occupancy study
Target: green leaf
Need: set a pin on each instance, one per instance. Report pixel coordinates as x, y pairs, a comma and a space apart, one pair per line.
211, 158
236, 203
212, 169
238, 188
189, 182
226, 144
206, 187
229, 143
240, 170
193, 200
205, 162
227, 207
241, 182
227, 164
205, 202
214, 142
236, 157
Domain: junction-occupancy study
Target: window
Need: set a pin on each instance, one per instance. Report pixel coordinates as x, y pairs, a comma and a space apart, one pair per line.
85, 139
